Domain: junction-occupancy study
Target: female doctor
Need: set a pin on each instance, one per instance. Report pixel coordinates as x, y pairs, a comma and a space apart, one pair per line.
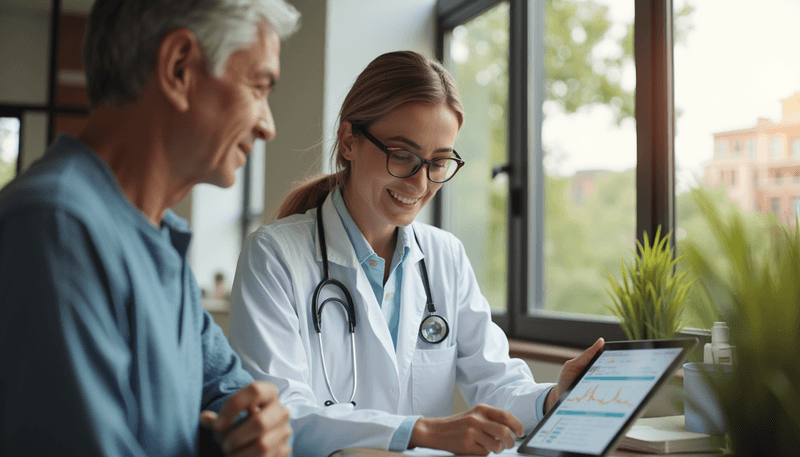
346, 256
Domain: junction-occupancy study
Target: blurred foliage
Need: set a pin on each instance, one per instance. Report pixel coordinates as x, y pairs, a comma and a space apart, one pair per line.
7, 172
579, 66
753, 286
649, 300
9, 130
583, 236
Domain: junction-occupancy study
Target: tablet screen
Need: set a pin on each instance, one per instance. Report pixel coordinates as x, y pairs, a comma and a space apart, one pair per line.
605, 398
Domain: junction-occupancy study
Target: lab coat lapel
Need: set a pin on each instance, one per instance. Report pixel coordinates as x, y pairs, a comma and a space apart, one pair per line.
412, 306
341, 252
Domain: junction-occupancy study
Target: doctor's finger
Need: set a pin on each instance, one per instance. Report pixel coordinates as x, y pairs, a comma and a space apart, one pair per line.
503, 417
490, 443
499, 433
580, 361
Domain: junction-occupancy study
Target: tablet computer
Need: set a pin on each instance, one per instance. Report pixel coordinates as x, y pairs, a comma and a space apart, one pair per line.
606, 398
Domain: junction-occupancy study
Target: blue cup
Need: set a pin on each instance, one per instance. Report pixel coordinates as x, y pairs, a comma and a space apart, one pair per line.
702, 409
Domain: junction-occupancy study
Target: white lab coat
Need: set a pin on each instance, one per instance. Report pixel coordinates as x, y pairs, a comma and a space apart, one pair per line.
271, 328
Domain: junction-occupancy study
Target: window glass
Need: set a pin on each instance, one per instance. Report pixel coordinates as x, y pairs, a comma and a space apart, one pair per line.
796, 207
9, 148
796, 148
775, 147
588, 220
720, 149
718, 57
775, 206
217, 227
475, 203
257, 168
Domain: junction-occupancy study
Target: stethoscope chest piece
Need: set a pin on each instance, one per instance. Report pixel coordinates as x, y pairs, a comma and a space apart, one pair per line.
433, 329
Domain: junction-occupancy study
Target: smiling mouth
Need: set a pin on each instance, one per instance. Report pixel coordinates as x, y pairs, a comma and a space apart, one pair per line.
407, 201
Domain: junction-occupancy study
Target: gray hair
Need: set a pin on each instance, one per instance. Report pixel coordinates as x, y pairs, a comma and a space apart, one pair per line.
122, 37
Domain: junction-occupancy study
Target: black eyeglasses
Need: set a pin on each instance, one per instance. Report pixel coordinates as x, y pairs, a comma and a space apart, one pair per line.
402, 163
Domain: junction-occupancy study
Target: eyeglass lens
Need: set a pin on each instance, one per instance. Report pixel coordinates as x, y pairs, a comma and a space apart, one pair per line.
404, 163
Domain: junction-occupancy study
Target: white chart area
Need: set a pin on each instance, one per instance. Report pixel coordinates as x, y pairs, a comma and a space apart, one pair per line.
603, 400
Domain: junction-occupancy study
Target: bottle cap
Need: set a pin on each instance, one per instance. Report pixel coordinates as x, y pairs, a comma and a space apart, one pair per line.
719, 333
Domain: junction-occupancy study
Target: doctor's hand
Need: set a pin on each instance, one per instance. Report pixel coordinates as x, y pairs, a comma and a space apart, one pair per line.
478, 431
572, 368
264, 429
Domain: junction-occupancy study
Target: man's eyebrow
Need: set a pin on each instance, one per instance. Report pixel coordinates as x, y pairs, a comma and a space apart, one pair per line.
414, 145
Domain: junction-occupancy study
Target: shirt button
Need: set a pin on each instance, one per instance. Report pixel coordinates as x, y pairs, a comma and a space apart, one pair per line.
373, 263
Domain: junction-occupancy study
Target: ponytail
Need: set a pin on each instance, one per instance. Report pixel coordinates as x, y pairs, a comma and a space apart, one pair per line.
310, 194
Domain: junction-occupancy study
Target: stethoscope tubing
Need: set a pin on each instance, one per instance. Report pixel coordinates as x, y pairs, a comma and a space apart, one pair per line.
349, 308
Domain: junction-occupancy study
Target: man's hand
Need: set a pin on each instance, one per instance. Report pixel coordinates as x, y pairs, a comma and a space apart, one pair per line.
571, 369
480, 430
264, 431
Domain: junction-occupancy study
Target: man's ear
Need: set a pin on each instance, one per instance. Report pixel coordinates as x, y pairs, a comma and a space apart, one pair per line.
346, 140
178, 61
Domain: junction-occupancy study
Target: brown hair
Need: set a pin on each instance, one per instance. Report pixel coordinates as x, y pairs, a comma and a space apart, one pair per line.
391, 80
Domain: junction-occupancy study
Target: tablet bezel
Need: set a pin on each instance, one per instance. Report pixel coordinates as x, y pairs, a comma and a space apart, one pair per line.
687, 344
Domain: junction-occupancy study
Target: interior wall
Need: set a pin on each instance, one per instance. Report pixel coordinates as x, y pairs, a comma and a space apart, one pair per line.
357, 32
24, 40
297, 104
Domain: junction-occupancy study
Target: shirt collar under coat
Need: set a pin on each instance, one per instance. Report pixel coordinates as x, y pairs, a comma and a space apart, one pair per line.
341, 250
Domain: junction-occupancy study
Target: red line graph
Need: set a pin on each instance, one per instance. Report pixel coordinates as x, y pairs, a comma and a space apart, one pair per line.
589, 397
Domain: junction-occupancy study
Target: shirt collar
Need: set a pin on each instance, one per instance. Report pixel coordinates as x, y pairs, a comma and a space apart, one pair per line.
363, 250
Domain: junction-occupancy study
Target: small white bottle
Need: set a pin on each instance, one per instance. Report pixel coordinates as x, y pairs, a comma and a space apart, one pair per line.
719, 351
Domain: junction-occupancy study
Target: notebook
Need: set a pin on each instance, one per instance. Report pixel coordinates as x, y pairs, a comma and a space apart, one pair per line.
606, 398
664, 435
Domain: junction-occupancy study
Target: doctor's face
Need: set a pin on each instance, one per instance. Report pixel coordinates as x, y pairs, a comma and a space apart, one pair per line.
375, 197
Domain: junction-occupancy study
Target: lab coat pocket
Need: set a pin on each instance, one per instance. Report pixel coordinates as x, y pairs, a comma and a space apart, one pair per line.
433, 377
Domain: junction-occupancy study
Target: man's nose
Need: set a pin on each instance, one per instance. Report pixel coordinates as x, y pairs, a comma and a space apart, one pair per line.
265, 129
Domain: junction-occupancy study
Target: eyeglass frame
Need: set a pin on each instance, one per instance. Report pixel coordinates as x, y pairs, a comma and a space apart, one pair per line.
386, 150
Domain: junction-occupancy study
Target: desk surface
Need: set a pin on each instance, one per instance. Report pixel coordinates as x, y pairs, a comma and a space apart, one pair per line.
669, 426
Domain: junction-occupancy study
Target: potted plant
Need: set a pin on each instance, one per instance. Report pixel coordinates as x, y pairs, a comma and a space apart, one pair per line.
758, 295
649, 299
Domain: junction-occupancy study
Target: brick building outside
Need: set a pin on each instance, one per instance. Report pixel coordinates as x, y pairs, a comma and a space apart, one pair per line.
759, 167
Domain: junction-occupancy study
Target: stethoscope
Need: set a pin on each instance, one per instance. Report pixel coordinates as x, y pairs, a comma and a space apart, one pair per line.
433, 329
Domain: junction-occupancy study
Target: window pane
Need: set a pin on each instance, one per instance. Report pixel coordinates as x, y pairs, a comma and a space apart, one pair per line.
735, 83
475, 204
9, 148
217, 226
589, 144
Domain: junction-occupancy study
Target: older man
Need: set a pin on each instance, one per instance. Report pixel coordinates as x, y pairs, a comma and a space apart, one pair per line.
107, 350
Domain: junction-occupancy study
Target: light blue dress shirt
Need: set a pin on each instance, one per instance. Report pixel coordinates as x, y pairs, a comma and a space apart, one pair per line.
388, 295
